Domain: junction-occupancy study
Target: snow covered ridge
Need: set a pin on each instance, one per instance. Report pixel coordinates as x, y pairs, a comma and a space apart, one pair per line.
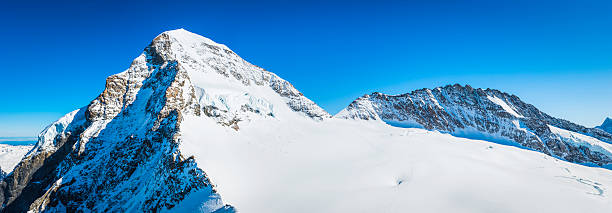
485, 114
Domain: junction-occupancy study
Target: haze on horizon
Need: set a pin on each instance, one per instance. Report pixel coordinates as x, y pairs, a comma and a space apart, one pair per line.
555, 55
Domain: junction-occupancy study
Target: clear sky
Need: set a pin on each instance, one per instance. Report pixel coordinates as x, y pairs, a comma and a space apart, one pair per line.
556, 55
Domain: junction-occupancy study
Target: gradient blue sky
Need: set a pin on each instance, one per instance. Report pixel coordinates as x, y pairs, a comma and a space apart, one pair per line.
556, 55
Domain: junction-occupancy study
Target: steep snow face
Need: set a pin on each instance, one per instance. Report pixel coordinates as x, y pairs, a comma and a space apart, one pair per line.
11, 155
606, 126
120, 152
484, 114
338, 165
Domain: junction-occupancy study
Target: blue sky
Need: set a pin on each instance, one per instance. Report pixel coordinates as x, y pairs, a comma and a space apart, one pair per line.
556, 55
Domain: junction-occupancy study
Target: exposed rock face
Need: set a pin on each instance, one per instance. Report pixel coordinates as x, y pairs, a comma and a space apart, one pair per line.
120, 153
485, 114
606, 126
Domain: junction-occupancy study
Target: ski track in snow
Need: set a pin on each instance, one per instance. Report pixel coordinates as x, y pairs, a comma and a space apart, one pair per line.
595, 185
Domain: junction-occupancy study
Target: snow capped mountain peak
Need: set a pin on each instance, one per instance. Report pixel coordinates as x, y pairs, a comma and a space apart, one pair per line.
606, 125
100, 157
213, 67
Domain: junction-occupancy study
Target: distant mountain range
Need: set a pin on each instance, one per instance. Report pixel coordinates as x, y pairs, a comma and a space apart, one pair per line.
192, 127
18, 140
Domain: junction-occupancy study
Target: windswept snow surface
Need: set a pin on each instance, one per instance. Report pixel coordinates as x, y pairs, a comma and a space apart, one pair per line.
298, 165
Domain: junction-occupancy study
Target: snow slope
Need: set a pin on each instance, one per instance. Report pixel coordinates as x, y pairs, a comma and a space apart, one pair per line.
297, 165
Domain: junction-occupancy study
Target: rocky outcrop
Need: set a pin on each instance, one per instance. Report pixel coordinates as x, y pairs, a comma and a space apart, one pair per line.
485, 114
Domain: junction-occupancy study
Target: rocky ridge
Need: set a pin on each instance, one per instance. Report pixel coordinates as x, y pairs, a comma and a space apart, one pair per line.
486, 114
